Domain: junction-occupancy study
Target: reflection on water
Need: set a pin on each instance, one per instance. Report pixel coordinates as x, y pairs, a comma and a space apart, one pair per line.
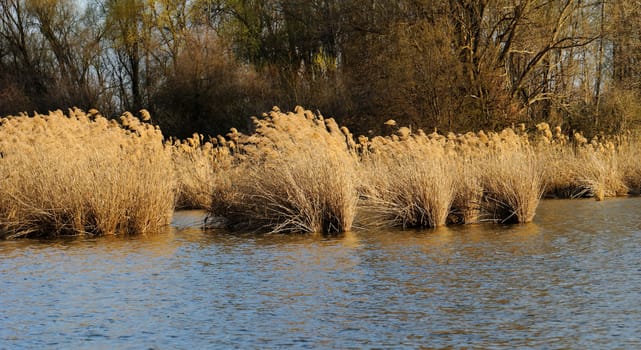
569, 280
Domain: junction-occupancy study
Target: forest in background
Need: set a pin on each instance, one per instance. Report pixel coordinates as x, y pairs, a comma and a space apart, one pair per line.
208, 65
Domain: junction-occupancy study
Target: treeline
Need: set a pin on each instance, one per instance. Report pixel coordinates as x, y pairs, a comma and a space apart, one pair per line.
207, 65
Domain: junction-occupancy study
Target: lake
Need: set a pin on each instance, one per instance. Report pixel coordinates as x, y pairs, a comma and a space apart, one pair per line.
571, 279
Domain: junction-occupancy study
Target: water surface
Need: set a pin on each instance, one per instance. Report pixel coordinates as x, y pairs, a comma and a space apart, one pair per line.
571, 279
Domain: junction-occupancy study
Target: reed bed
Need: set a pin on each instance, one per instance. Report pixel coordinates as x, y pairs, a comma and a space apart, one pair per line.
420, 180
298, 172
513, 184
627, 149
81, 174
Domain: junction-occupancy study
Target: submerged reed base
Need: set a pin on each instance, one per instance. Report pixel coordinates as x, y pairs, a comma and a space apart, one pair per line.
81, 174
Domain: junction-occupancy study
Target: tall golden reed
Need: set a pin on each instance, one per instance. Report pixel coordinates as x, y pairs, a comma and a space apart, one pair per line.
513, 183
628, 148
82, 174
299, 172
202, 168
602, 167
419, 180
298, 176
410, 182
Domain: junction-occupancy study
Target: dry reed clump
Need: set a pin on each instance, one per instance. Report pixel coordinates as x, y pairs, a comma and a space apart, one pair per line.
468, 196
82, 174
202, 168
419, 180
410, 180
577, 167
501, 177
298, 176
513, 183
629, 166
512, 176
599, 172
563, 171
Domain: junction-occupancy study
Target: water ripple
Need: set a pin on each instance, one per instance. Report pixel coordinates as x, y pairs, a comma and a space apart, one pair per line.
569, 280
